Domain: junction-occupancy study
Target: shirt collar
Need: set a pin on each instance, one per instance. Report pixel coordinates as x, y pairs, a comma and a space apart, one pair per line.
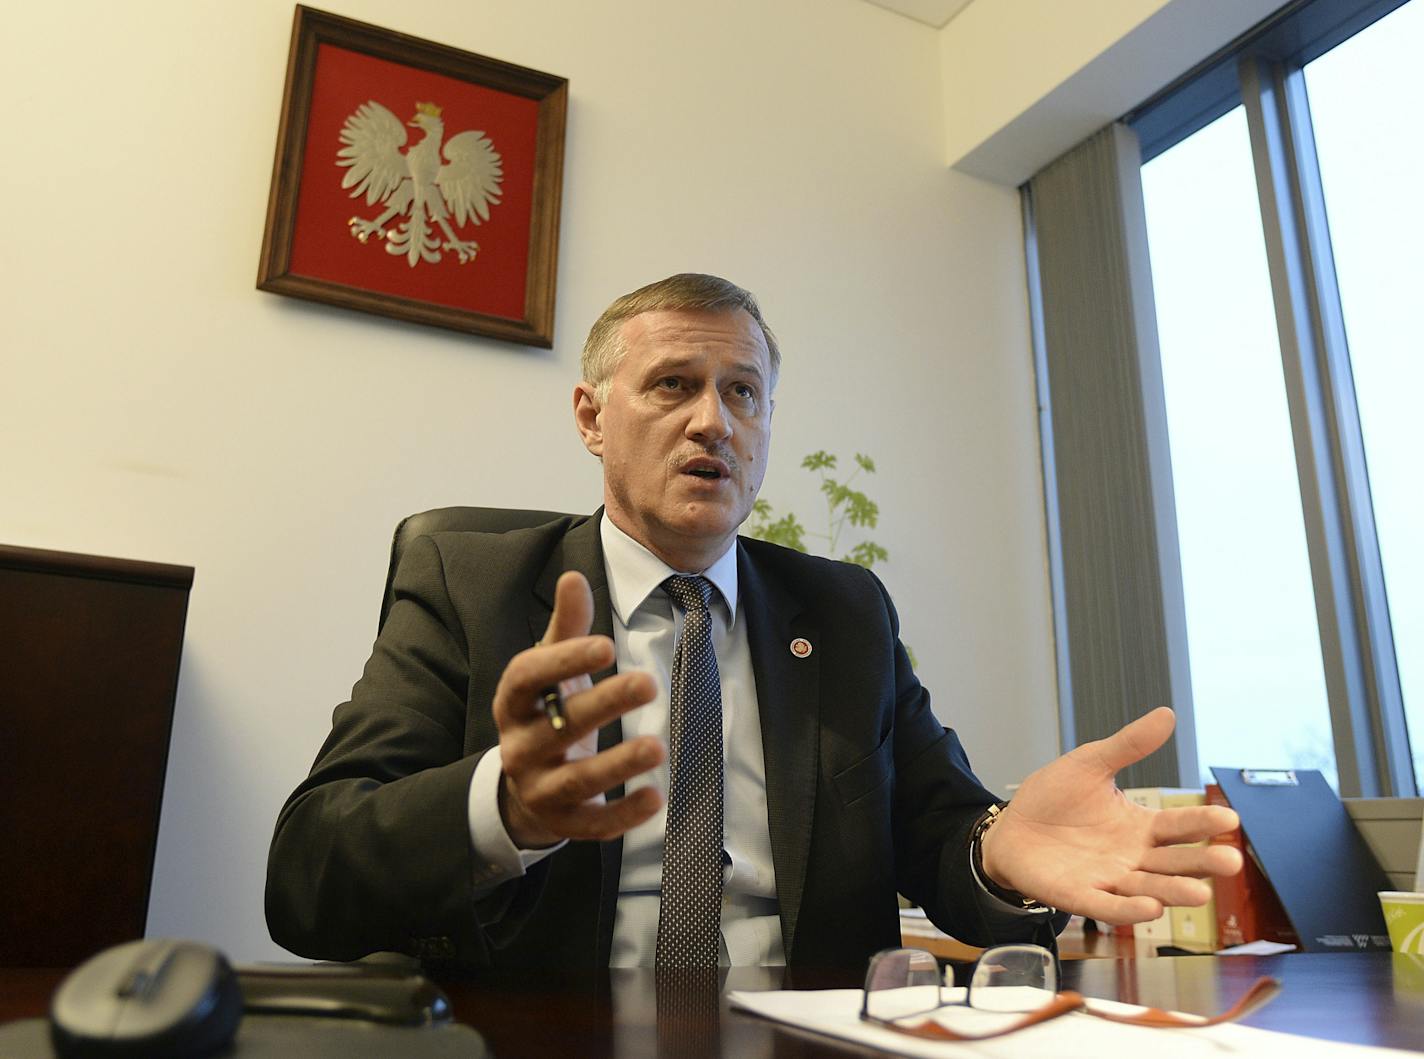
634, 572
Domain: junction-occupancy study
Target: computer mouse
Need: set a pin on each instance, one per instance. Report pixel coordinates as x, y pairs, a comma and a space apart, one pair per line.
158, 998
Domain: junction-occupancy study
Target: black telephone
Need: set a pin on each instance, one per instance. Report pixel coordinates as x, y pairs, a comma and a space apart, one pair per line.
371, 992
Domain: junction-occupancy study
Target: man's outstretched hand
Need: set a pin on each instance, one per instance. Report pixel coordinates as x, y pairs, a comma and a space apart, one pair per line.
1070, 839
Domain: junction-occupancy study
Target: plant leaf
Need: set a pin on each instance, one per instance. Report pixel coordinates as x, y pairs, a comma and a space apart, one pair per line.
862, 511
866, 554
787, 532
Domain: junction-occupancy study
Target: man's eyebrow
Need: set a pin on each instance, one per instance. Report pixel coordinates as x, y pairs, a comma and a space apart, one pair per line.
670, 362
673, 363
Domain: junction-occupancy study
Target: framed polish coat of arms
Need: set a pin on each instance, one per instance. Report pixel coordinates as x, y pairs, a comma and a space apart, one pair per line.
416, 181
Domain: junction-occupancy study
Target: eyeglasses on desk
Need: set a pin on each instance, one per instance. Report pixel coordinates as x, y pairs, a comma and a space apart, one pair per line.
904, 988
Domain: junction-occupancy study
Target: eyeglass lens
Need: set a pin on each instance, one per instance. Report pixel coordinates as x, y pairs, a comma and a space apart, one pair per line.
902, 982
1013, 978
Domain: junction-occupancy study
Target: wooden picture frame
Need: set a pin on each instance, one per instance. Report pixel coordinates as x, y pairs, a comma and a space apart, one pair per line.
475, 246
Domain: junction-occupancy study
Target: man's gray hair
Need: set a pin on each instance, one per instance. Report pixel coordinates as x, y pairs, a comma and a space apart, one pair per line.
689, 291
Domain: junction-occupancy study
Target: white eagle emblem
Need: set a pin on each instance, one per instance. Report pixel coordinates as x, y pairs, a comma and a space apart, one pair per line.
415, 182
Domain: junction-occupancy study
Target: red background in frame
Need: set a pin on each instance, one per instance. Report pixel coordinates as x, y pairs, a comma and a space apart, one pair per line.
322, 244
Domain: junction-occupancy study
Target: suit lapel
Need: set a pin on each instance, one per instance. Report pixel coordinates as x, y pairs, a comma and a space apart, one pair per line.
788, 699
582, 550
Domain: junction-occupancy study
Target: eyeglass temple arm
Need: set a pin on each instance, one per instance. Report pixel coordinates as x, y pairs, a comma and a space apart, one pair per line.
1261, 993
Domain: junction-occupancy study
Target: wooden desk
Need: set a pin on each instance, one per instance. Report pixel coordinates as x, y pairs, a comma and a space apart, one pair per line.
1367, 998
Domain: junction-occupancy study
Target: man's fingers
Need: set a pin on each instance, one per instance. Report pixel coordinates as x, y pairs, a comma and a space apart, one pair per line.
573, 608
1133, 742
1168, 890
531, 671
524, 745
552, 819
1196, 861
1113, 908
600, 820
1195, 823
609, 820
559, 791
590, 710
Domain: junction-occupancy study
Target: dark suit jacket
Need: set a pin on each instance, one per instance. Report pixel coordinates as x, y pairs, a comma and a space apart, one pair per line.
866, 793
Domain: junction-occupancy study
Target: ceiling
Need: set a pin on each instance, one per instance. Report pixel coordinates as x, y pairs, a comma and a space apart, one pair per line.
931, 12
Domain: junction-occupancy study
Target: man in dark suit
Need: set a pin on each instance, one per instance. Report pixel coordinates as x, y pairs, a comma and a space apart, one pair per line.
452, 816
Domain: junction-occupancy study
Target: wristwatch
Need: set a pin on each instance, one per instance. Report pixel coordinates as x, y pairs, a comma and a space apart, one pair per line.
976, 858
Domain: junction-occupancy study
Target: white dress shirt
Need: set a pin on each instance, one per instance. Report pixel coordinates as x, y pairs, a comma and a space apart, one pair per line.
645, 629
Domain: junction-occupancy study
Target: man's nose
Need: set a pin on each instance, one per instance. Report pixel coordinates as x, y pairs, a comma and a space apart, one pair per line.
709, 421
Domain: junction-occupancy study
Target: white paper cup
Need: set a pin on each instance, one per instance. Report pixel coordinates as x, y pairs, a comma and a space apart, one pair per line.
1404, 916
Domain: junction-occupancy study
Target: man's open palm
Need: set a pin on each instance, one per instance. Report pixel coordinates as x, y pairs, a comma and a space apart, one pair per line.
1070, 839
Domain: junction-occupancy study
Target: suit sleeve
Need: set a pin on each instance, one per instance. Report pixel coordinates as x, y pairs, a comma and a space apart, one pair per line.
937, 801
372, 851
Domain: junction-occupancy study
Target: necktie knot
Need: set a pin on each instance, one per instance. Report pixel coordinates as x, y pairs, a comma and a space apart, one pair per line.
692, 594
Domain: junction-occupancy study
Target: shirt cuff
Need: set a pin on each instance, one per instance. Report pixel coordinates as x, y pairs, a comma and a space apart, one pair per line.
496, 858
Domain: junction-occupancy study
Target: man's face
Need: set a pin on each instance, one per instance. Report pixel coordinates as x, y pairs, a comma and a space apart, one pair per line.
684, 431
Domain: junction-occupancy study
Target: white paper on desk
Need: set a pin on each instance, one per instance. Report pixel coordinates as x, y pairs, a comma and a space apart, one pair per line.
836, 1012
1257, 948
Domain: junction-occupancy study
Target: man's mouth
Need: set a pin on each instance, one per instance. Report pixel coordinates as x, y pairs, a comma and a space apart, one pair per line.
706, 468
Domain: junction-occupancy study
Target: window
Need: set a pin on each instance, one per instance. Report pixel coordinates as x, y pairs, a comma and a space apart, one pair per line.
1365, 98
1283, 220
1258, 687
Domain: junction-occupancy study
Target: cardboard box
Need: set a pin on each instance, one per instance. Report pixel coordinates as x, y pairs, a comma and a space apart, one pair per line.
1159, 930
1192, 928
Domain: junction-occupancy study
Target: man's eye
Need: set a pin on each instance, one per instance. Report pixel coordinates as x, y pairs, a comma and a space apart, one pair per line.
669, 382
744, 392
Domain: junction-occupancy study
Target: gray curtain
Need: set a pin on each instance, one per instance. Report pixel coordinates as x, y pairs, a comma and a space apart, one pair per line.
1107, 468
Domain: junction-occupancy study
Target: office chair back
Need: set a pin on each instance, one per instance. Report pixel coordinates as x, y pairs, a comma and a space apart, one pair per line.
447, 519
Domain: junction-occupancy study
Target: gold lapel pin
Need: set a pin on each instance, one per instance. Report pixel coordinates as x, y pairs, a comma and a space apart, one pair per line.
801, 647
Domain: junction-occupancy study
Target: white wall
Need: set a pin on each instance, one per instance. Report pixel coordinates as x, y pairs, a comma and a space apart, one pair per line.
154, 405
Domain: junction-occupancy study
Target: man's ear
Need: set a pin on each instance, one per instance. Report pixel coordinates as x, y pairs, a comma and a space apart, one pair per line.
586, 417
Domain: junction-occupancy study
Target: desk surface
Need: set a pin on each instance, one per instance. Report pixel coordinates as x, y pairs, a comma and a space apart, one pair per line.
1367, 998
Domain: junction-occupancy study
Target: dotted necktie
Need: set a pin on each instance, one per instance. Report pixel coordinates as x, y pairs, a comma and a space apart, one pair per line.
690, 913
